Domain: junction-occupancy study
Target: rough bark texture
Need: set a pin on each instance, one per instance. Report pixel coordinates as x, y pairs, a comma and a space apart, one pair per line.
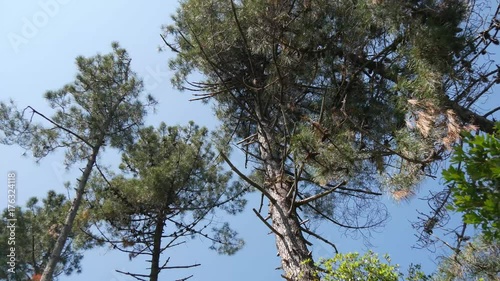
155, 255
296, 259
70, 218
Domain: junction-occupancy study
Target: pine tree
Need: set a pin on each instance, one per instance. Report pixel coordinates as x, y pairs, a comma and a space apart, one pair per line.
38, 227
101, 107
478, 260
170, 184
334, 101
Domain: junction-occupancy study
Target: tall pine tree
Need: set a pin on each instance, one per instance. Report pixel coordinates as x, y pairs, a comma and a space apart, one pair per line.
38, 227
169, 187
334, 101
102, 107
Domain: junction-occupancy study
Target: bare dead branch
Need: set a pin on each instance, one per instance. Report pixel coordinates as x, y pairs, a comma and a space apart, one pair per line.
182, 266
135, 275
267, 224
61, 127
245, 178
320, 238
169, 45
319, 195
491, 112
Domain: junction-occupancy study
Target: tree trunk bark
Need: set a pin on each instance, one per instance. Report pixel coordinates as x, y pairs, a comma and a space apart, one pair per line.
155, 259
70, 218
296, 259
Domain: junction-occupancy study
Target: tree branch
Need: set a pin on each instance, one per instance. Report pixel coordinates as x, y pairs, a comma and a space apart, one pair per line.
491, 112
135, 275
267, 224
319, 195
185, 278
465, 114
181, 266
245, 178
61, 127
169, 45
320, 238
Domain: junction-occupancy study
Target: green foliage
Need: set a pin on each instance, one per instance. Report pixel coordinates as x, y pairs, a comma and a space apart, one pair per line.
369, 267
171, 182
37, 229
172, 167
352, 266
474, 178
334, 101
337, 93
227, 241
415, 273
478, 260
102, 106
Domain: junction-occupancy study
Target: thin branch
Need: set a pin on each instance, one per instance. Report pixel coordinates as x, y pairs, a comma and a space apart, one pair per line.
491, 111
483, 91
245, 178
267, 224
320, 238
319, 195
165, 263
261, 202
460, 238
294, 190
247, 139
218, 69
465, 114
136, 276
240, 29
169, 45
339, 187
455, 250
328, 218
357, 190
181, 266
61, 127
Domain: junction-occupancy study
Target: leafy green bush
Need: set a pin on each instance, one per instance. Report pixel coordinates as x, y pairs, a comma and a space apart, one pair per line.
368, 267
474, 178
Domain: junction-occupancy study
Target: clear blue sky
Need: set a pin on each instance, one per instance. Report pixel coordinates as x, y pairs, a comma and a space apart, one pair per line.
38, 47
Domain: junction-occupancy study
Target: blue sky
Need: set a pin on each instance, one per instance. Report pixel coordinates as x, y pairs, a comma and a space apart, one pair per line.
38, 46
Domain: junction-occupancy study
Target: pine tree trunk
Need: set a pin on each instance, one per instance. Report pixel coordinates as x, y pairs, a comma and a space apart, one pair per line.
48, 272
70, 218
296, 259
155, 255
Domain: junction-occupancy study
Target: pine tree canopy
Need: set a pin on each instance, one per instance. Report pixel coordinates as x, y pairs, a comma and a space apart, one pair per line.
334, 102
